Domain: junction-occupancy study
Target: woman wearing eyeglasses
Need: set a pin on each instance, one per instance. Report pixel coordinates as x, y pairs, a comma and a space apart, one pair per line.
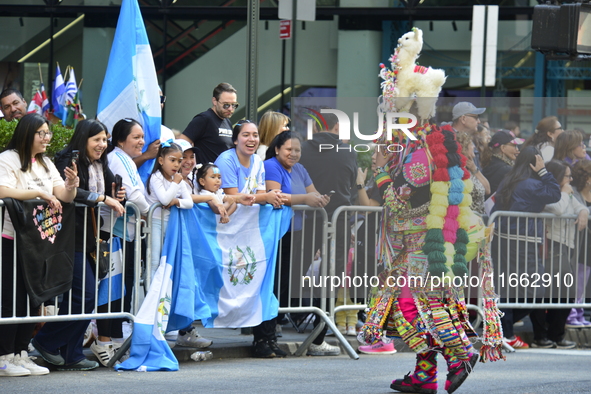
547, 130
60, 343
570, 148
25, 174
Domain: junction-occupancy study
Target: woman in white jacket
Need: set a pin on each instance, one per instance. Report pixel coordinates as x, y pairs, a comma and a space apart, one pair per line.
548, 324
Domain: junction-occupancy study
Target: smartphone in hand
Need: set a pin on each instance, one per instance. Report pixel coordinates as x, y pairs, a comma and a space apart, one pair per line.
75, 156
118, 184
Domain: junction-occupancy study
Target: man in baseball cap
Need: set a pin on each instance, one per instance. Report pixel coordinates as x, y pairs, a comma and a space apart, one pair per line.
465, 117
466, 120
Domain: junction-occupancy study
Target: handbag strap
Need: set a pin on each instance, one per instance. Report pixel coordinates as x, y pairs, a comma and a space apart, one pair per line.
92, 214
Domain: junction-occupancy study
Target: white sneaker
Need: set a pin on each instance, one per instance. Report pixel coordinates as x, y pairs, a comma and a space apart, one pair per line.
324, 349
7, 368
193, 339
23, 360
91, 334
104, 353
351, 331
116, 346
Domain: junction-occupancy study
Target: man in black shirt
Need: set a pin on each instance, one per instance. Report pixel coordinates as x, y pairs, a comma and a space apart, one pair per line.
211, 131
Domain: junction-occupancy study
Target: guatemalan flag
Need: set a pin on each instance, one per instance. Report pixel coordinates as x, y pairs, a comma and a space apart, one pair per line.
222, 274
240, 257
130, 88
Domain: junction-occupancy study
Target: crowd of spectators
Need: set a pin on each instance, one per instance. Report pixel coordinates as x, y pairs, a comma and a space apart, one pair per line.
213, 162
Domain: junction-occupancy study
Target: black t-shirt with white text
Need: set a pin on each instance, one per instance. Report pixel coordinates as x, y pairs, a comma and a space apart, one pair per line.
211, 134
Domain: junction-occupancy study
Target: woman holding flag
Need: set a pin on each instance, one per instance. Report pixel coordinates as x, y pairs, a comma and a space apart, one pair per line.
243, 173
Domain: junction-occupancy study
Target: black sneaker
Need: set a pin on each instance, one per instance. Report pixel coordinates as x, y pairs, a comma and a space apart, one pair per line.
564, 344
260, 349
276, 349
542, 343
456, 376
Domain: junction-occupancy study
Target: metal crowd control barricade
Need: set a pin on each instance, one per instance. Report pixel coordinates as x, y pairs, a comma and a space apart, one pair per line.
357, 226
303, 268
149, 234
539, 270
519, 283
360, 225
108, 281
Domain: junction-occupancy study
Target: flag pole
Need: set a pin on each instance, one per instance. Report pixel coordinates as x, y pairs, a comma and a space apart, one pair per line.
80, 84
40, 74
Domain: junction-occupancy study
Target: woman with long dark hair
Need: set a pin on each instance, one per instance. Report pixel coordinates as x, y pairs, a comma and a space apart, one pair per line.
127, 141
25, 174
60, 343
284, 172
243, 174
528, 187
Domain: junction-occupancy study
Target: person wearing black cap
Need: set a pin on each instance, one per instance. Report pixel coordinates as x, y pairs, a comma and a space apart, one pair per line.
500, 156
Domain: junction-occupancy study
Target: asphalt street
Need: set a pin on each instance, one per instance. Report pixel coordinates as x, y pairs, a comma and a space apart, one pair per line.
526, 371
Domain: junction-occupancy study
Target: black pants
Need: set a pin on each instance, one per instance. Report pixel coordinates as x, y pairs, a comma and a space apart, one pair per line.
511, 317
14, 338
549, 323
66, 337
265, 331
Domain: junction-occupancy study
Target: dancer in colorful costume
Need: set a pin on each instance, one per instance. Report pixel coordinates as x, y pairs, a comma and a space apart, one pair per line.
427, 236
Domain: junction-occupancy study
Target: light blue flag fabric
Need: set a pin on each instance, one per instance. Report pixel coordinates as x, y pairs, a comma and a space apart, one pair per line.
149, 349
236, 264
130, 88
222, 274
113, 282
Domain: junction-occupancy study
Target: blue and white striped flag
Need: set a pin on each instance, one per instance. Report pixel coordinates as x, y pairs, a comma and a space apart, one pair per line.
57, 96
114, 280
130, 88
71, 87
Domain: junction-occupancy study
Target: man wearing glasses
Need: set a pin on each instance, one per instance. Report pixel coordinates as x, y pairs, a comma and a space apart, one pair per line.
465, 119
211, 131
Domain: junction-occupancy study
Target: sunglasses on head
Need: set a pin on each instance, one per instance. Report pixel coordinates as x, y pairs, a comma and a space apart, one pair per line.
162, 99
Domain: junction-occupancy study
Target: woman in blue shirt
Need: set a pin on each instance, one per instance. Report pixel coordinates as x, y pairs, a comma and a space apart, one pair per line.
283, 172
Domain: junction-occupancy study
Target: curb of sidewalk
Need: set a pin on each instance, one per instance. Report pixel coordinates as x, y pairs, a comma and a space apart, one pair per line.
244, 350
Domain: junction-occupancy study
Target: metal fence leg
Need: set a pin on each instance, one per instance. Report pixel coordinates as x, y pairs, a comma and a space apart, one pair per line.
120, 352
